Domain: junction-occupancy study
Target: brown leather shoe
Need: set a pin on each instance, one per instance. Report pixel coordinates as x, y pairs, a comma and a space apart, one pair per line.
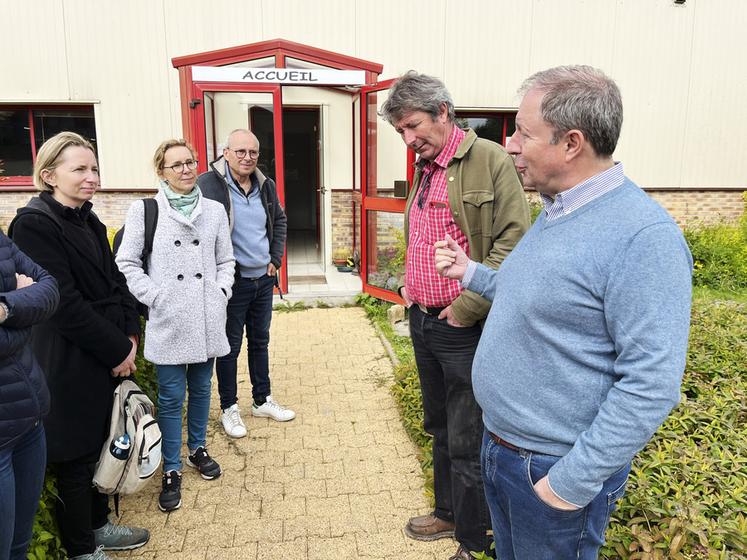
461, 554
429, 528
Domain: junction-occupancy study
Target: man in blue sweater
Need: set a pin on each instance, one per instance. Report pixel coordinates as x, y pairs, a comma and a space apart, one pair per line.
582, 354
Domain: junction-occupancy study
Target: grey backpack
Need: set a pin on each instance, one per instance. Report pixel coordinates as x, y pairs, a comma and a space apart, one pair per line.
132, 453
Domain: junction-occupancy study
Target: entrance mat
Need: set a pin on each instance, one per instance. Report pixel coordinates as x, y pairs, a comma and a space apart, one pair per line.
309, 279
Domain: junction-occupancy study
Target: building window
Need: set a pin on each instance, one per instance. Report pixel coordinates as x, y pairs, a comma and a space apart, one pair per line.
24, 129
492, 125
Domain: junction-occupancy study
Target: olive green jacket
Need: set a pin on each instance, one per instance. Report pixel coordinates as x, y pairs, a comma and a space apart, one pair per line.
488, 203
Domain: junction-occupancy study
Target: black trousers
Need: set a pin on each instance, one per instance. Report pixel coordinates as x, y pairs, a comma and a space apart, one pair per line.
80, 508
444, 357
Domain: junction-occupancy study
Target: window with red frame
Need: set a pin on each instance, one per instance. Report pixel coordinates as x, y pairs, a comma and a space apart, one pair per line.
24, 129
492, 125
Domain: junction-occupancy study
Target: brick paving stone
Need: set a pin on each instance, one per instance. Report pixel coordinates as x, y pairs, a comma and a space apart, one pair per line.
231, 513
381, 544
337, 547
198, 554
346, 523
305, 526
258, 531
306, 488
213, 495
232, 552
347, 485
274, 551
217, 534
339, 481
178, 521
284, 508
321, 507
285, 474
332, 470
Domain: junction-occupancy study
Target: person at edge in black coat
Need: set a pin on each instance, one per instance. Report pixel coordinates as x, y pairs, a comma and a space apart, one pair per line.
28, 296
86, 346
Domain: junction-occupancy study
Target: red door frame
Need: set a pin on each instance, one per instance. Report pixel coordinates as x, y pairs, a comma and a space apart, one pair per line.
193, 122
199, 142
371, 202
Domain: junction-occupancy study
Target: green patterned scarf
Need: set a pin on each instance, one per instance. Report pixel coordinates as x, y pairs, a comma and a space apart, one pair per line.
183, 203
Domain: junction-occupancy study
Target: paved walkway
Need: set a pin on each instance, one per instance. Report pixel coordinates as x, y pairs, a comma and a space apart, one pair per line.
338, 482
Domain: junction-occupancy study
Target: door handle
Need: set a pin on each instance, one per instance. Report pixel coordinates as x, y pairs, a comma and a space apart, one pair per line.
321, 190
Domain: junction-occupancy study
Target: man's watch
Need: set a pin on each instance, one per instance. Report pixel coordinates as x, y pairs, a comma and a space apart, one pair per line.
6, 315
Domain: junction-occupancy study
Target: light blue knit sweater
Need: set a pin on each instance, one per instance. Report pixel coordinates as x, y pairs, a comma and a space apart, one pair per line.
583, 350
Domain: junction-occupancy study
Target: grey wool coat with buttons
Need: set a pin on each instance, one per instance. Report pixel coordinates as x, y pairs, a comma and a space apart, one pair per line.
188, 285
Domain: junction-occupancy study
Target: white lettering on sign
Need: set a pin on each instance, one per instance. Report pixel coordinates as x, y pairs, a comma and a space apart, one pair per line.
279, 76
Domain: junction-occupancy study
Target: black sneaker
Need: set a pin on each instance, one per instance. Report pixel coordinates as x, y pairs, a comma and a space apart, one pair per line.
201, 461
171, 491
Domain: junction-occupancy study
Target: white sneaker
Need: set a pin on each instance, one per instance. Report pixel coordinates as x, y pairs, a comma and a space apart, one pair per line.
232, 423
274, 410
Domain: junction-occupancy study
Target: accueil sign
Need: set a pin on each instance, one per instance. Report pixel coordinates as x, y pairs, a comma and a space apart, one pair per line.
296, 76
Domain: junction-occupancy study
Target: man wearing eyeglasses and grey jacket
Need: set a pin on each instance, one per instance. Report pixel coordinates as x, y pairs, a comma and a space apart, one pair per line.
258, 230
468, 188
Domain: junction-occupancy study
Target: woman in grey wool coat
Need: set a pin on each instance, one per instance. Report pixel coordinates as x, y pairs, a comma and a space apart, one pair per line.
186, 289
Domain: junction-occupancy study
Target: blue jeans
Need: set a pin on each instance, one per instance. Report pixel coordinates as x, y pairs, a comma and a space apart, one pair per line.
173, 381
444, 357
22, 467
250, 307
526, 527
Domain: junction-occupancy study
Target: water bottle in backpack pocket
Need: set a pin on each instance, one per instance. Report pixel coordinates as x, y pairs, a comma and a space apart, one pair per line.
131, 454
120, 447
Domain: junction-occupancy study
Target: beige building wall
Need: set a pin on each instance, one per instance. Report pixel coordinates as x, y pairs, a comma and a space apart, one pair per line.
680, 68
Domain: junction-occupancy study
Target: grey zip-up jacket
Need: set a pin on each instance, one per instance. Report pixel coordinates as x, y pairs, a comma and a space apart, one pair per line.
214, 186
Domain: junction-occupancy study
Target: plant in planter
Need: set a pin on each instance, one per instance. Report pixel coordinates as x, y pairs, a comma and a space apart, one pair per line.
340, 256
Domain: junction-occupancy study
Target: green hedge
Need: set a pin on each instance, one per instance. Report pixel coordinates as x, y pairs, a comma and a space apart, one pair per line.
688, 488
719, 255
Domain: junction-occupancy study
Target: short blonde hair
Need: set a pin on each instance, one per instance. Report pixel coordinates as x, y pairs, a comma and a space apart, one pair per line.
160, 156
49, 155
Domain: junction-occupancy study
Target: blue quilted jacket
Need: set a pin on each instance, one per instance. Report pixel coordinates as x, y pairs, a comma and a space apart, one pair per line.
24, 398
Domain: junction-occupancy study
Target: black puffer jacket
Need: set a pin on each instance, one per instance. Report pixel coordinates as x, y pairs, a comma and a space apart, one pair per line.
24, 398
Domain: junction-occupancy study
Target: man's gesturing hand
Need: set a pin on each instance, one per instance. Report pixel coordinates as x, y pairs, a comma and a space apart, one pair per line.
451, 260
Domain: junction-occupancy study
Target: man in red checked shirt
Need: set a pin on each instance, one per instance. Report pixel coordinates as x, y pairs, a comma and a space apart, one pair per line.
468, 188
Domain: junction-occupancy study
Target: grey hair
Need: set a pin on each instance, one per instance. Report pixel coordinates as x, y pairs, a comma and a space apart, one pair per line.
581, 98
235, 130
417, 92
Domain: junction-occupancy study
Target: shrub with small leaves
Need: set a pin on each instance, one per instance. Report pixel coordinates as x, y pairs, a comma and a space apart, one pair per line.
719, 255
45, 541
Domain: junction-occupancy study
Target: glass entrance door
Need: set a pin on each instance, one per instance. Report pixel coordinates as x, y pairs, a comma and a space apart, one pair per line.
228, 106
386, 174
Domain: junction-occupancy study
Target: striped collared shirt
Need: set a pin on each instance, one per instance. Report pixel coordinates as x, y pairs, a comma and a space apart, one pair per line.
574, 198
429, 224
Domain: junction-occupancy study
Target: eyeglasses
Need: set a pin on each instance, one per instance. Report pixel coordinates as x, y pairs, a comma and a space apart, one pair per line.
179, 167
425, 185
241, 154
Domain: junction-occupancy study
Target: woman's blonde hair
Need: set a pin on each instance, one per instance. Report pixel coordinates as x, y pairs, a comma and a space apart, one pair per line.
49, 155
160, 156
